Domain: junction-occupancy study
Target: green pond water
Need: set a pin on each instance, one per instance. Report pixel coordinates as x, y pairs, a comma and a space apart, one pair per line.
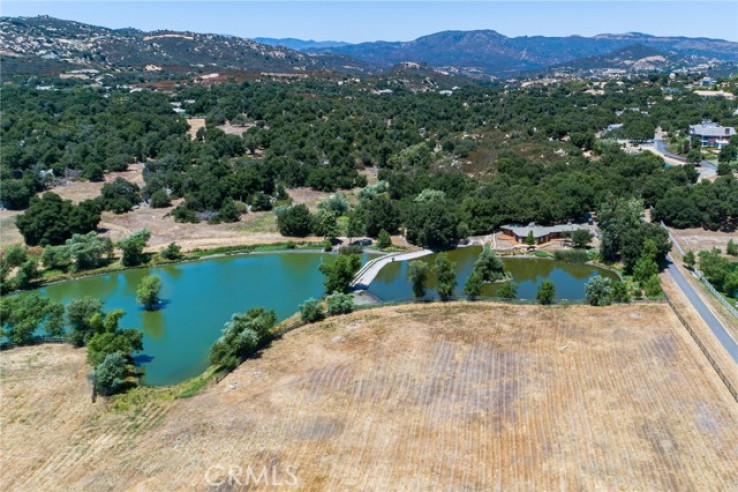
392, 282
199, 297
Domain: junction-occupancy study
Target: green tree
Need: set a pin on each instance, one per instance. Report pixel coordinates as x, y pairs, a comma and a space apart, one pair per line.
445, 271
79, 314
110, 375
242, 335
356, 223
109, 338
489, 265
546, 292
15, 255
620, 291
340, 272
56, 257
715, 267
474, 283
295, 221
689, 259
598, 291
172, 252
418, 272
384, 240
88, 251
339, 303
21, 317
732, 248
652, 286
581, 238
49, 220
160, 199
133, 246
311, 311
148, 291
508, 290
530, 239
381, 214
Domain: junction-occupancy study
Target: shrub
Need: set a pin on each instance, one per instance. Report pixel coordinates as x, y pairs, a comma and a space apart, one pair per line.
338, 303
418, 272
148, 291
546, 292
445, 276
171, 252
132, 247
242, 335
581, 238
571, 255
340, 272
652, 286
473, 286
160, 199
295, 221
384, 240
732, 248
351, 249
110, 374
598, 291
311, 311
508, 290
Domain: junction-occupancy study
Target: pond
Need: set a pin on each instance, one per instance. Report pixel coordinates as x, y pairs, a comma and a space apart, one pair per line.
392, 282
199, 297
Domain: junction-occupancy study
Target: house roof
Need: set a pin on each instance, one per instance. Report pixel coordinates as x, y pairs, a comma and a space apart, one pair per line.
540, 231
711, 130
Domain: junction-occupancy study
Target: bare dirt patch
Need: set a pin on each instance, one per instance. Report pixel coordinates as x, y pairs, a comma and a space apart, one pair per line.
449, 396
697, 239
195, 124
9, 233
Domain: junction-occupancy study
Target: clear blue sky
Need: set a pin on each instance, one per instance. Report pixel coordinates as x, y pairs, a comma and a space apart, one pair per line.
356, 21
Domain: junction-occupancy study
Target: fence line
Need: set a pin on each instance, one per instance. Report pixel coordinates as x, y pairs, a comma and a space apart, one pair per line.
703, 349
701, 277
35, 341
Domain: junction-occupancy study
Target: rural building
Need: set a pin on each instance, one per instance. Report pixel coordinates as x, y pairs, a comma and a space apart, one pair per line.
711, 134
543, 234
707, 82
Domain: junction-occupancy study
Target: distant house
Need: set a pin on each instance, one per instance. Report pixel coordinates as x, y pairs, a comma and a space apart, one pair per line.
542, 234
613, 127
711, 134
707, 82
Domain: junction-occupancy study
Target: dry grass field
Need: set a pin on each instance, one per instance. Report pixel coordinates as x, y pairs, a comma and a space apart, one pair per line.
436, 397
697, 239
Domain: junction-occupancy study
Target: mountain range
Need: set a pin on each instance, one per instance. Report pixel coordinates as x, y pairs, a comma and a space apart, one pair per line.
48, 45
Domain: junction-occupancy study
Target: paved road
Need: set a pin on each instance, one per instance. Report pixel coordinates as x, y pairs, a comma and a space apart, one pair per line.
717, 328
710, 168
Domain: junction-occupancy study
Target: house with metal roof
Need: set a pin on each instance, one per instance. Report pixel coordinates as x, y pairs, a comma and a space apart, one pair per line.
711, 134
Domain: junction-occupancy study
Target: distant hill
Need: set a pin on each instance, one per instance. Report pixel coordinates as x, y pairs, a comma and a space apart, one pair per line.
32, 45
46, 44
489, 53
300, 44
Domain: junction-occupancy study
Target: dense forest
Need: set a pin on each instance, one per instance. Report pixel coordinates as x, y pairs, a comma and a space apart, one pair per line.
448, 165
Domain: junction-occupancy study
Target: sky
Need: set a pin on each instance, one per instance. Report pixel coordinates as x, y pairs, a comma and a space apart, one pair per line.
357, 21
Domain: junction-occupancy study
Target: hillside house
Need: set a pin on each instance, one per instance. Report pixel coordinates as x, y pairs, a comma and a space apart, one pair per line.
543, 234
711, 134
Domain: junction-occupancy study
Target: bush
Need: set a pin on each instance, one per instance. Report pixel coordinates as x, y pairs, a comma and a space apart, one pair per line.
340, 272
598, 291
242, 335
132, 247
445, 276
620, 291
160, 199
546, 292
295, 221
384, 240
581, 238
339, 303
311, 311
418, 272
571, 255
172, 252
652, 287
148, 291
508, 290
183, 214
351, 249
110, 374
474, 283
732, 248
